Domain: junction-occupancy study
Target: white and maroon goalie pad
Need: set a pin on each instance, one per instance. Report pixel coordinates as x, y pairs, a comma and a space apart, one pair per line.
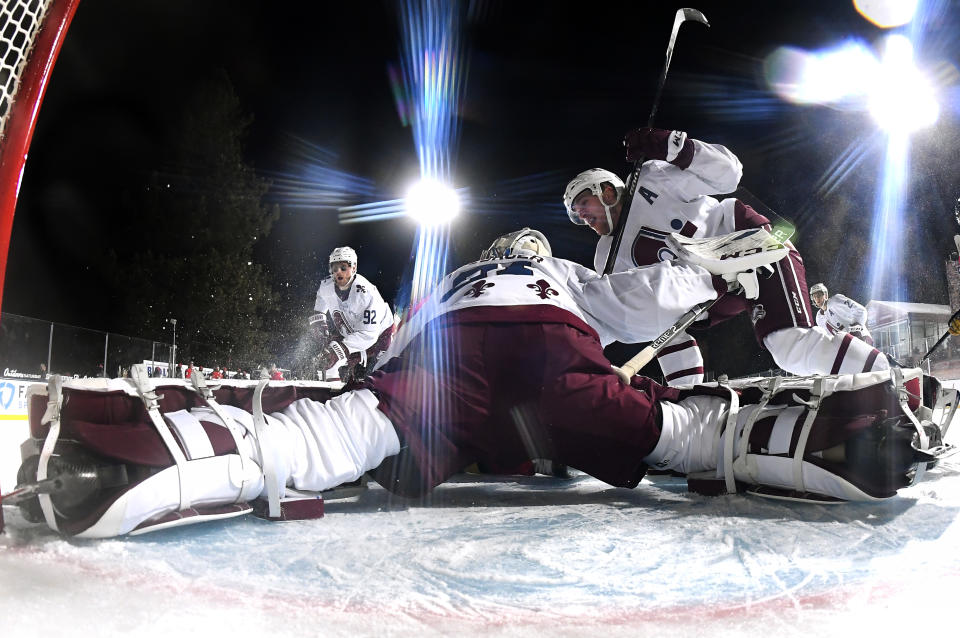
815, 437
183, 464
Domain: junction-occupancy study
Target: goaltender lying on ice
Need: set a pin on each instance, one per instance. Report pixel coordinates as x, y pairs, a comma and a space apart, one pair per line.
502, 364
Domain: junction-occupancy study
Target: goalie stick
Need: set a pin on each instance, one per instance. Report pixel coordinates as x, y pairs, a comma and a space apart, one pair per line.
683, 15
782, 233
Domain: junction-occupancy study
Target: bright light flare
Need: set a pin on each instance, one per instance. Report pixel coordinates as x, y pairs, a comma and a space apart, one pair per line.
432, 203
887, 13
891, 88
902, 100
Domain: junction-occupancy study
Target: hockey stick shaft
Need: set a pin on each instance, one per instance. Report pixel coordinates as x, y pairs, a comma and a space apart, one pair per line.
941, 339
642, 358
683, 15
645, 356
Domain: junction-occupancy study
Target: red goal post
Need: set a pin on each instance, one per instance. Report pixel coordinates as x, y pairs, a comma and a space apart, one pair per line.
31, 33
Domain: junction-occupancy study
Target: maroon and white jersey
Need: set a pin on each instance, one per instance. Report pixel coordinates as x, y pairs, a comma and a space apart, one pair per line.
360, 317
670, 199
843, 314
630, 307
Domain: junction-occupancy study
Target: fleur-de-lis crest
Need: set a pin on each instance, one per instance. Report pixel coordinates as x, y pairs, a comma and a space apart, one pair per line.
477, 288
543, 289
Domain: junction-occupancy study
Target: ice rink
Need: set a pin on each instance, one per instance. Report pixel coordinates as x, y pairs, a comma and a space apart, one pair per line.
509, 557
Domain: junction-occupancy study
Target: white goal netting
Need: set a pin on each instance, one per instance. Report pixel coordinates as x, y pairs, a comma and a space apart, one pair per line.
20, 22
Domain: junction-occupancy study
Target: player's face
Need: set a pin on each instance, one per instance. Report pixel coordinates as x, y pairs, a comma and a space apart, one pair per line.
818, 299
342, 273
591, 211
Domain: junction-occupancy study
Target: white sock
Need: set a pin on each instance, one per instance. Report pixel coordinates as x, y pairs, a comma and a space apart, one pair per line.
688, 441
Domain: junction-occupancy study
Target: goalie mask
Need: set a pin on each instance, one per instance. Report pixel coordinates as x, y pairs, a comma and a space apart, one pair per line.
592, 180
523, 241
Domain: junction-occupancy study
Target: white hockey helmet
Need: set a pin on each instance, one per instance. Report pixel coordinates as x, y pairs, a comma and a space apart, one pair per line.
818, 288
344, 253
592, 179
519, 242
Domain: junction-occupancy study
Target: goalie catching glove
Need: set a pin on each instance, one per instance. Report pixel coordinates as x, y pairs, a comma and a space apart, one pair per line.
737, 257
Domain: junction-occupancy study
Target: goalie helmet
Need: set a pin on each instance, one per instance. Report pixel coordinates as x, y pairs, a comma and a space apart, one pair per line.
592, 180
344, 253
523, 241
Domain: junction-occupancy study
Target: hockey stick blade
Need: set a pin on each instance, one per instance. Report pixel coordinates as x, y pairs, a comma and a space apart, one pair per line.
683, 15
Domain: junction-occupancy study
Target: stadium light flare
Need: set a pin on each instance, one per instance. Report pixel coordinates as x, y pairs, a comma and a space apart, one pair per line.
902, 99
897, 94
432, 203
887, 13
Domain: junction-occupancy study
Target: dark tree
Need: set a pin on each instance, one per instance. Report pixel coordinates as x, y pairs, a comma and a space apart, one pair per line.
195, 223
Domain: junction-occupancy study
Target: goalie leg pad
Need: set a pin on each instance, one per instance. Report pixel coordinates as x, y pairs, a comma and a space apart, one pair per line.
850, 437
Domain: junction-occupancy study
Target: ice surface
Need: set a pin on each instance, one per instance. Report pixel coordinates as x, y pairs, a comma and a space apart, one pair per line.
508, 557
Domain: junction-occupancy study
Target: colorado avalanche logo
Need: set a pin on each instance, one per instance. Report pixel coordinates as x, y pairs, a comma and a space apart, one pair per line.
543, 289
477, 288
665, 254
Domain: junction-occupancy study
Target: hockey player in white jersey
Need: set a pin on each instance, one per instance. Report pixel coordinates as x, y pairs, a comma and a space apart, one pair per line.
838, 313
673, 195
503, 363
352, 324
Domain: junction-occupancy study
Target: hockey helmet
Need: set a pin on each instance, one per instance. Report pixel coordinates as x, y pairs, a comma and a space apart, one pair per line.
344, 253
519, 242
815, 288
592, 179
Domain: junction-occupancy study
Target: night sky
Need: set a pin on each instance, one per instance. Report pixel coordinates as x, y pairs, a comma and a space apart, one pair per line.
550, 88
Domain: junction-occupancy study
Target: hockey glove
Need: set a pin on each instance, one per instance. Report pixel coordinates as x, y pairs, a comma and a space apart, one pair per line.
319, 330
335, 354
655, 143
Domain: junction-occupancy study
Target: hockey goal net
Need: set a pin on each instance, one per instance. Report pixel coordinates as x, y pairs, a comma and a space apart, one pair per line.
31, 33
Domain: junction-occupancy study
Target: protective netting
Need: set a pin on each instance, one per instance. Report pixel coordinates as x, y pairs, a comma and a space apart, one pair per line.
20, 21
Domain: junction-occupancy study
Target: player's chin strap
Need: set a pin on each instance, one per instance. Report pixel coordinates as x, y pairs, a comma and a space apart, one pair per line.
200, 386
52, 417
151, 400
